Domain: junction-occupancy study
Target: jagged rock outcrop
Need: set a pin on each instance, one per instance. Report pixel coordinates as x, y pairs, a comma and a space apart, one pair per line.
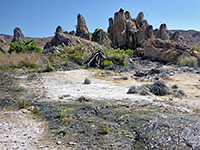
125, 32
81, 28
162, 50
101, 37
18, 35
162, 33
60, 38
2, 40
175, 37
72, 32
95, 59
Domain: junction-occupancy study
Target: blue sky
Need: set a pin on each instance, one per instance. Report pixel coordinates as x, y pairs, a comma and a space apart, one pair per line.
39, 18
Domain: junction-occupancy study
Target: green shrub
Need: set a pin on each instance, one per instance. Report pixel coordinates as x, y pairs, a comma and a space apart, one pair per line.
117, 56
20, 89
106, 63
24, 46
22, 104
95, 35
49, 68
62, 129
36, 110
103, 129
187, 60
129, 52
148, 85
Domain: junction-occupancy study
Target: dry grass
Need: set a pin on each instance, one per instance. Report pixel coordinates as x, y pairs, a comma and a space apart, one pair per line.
21, 59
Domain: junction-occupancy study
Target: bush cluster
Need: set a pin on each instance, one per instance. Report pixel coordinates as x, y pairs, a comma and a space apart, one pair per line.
117, 56
187, 60
95, 35
24, 46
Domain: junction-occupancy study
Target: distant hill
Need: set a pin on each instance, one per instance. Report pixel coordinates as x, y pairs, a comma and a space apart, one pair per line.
189, 36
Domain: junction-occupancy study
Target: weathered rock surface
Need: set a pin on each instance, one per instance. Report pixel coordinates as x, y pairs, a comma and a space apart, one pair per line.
163, 50
160, 88
162, 33
59, 39
101, 37
81, 28
95, 59
125, 32
18, 35
175, 36
2, 40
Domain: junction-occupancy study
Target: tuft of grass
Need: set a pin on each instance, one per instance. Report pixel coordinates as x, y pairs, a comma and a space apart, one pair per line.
20, 89
36, 110
103, 129
49, 68
22, 104
19, 60
106, 63
62, 129
187, 60
148, 85
117, 56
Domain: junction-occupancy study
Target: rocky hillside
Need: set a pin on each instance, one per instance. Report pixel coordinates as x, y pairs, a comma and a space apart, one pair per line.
190, 36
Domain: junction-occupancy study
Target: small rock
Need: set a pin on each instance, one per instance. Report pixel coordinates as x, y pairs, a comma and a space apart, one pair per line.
83, 99
72, 143
175, 86
87, 81
124, 78
59, 142
132, 90
179, 94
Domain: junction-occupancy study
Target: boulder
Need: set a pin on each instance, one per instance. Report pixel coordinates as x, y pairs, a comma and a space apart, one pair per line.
131, 90
59, 39
175, 86
160, 88
87, 81
143, 90
81, 28
18, 35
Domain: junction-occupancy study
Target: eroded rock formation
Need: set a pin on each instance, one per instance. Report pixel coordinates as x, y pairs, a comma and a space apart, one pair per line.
18, 35
59, 39
81, 28
125, 32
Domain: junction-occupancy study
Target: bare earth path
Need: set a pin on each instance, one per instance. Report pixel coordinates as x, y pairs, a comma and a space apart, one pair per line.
19, 131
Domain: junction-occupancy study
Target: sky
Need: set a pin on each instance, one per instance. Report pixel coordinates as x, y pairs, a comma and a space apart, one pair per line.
39, 18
